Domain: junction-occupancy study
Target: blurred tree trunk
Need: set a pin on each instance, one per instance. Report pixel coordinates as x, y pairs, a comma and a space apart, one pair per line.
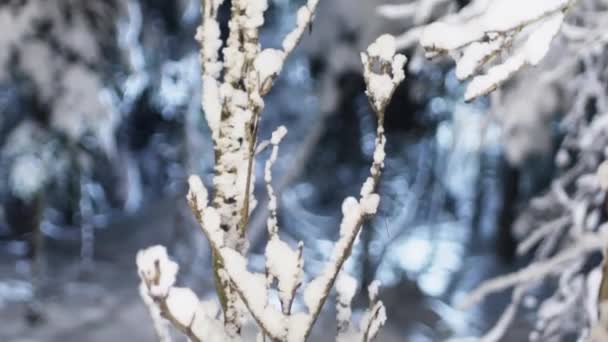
505, 241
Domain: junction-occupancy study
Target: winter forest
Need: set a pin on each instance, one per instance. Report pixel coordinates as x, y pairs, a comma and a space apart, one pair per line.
303, 170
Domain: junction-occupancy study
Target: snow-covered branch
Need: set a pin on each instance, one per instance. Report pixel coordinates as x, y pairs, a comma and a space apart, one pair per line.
373, 318
178, 305
519, 29
232, 102
380, 87
284, 263
539, 270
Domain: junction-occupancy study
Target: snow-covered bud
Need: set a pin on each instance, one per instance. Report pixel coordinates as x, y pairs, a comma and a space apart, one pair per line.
156, 270
381, 85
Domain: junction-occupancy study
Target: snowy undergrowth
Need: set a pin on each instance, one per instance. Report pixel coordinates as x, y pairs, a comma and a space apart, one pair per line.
232, 100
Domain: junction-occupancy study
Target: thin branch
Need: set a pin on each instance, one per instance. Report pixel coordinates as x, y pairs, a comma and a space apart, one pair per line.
536, 271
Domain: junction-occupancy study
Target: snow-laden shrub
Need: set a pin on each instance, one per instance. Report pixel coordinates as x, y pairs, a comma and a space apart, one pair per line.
232, 99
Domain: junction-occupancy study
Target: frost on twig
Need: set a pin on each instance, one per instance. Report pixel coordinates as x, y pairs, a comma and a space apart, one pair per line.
526, 29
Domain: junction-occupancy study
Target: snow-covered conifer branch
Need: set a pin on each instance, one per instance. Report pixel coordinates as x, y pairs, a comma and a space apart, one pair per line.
526, 28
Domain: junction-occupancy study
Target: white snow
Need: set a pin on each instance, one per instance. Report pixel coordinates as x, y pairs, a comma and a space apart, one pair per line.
255, 13
398, 68
27, 176
602, 175
207, 327
161, 325
496, 75
379, 154
209, 36
351, 212
303, 16
234, 60
276, 138
373, 290
297, 325
182, 303
381, 86
212, 224
538, 43
501, 16
443, 36
314, 291
383, 48
198, 189
156, 270
278, 135
475, 55
374, 322
346, 287
369, 204
398, 11
212, 105
303, 19
531, 53
269, 63
504, 15
368, 187
252, 288
283, 263
210, 216
482, 37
